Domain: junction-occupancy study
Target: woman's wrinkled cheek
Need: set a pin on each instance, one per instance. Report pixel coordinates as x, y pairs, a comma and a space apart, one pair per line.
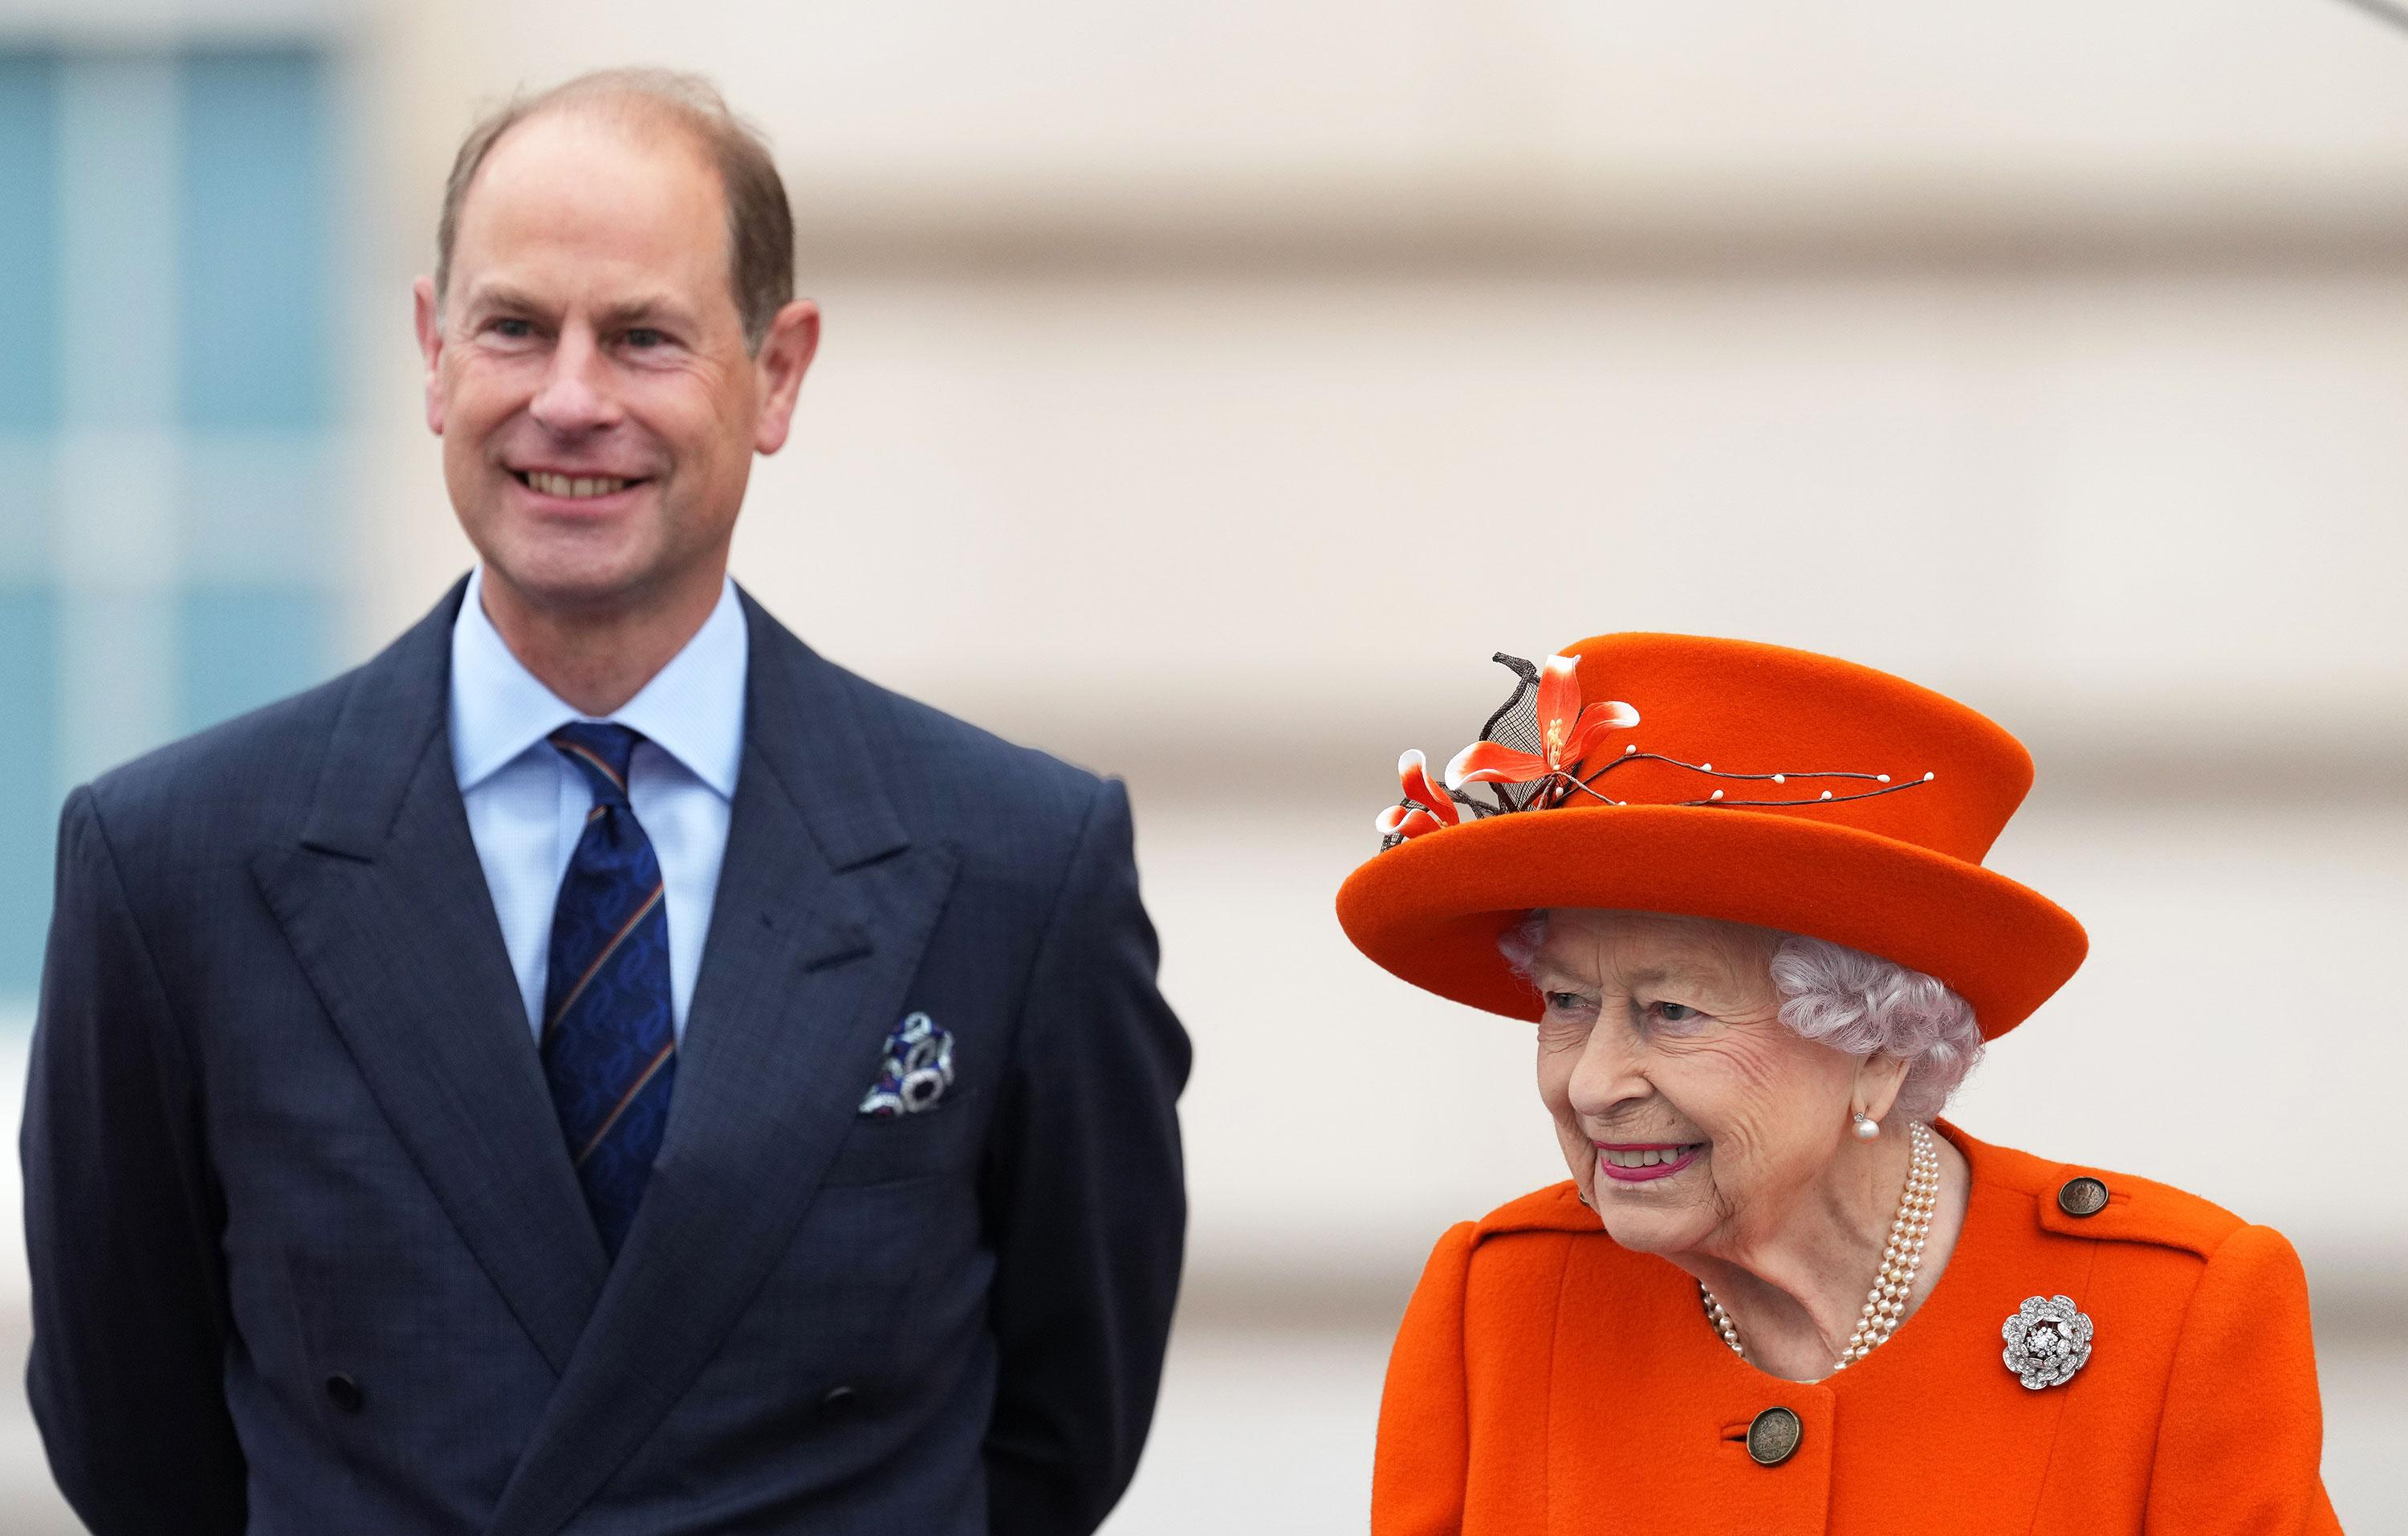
1757, 1073
1579, 1155
1732, 1089
1558, 1057
1767, 1085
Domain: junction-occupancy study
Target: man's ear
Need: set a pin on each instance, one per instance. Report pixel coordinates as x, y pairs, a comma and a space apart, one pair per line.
430, 347
785, 357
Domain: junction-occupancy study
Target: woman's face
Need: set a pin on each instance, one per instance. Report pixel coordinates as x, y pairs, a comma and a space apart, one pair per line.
1691, 1115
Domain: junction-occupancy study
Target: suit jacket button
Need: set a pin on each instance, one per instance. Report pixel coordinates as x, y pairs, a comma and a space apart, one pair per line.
344, 1393
2081, 1197
1772, 1436
840, 1401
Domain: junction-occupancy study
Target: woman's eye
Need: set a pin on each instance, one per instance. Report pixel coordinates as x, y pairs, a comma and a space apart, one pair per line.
1565, 1002
1676, 1012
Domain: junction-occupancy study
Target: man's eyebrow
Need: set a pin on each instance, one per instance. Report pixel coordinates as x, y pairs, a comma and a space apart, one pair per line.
500, 295
646, 310
642, 310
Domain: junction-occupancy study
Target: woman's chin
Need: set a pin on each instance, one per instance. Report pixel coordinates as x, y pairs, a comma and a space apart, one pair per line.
1644, 1218
1648, 1233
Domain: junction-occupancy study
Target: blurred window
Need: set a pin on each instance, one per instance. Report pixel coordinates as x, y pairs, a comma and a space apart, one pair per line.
170, 506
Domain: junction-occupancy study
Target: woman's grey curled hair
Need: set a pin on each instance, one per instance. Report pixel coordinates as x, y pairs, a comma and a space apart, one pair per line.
1851, 1001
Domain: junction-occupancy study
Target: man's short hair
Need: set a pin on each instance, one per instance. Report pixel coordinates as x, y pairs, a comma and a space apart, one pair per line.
760, 224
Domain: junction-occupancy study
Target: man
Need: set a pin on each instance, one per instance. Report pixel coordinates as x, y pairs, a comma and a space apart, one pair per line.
599, 1067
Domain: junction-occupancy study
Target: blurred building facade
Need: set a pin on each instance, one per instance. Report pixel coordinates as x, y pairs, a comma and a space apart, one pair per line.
166, 555
1207, 394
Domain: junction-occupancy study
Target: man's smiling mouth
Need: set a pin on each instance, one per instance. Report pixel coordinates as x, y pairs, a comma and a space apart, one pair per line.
573, 487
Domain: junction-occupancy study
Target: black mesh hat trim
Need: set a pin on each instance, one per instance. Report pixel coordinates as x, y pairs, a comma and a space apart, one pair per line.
1515, 724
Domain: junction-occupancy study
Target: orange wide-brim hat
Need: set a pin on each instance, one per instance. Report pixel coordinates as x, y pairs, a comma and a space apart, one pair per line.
1719, 779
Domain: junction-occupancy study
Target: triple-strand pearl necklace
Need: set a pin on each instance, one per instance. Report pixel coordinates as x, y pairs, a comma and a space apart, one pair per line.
1886, 1306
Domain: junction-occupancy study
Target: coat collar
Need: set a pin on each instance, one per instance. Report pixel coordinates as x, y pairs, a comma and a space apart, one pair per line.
803, 730
391, 712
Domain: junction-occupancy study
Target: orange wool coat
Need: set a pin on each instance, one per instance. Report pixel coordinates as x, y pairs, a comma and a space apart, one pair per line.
1547, 1381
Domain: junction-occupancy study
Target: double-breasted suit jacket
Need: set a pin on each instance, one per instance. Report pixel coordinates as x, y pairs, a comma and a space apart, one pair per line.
308, 1254
1548, 1381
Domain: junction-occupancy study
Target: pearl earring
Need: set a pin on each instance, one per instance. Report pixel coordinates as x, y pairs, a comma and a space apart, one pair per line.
1866, 1127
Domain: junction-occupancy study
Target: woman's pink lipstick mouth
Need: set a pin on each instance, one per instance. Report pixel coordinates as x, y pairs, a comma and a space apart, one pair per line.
1673, 1157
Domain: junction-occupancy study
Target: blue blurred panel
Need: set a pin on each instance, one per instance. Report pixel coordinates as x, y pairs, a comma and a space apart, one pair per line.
238, 647
29, 810
117, 239
261, 509
29, 242
28, 492
253, 217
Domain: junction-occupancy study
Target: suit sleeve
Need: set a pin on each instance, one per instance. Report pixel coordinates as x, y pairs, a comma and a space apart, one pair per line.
2242, 1435
1422, 1459
1085, 1200
126, 1372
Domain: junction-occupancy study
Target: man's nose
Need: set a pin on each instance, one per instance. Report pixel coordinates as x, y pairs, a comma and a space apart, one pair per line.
575, 397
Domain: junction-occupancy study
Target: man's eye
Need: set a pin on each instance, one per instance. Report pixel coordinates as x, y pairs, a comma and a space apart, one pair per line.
511, 330
644, 337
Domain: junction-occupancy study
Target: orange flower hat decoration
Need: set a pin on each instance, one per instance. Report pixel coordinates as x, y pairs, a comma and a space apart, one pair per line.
1568, 731
1882, 852
1565, 731
1423, 808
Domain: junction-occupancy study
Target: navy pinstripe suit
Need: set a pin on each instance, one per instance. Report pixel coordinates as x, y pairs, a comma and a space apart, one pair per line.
307, 1252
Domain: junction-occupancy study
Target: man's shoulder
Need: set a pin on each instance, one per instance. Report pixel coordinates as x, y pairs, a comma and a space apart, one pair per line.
262, 762
941, 770
258, 772
963, 756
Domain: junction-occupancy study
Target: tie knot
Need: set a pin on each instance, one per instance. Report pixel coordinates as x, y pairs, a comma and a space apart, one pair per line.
603, 752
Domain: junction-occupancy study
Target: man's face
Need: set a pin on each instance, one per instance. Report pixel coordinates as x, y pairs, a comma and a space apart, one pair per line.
588, 373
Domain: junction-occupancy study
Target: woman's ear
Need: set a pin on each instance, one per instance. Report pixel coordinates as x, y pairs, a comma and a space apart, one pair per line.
1879, 1078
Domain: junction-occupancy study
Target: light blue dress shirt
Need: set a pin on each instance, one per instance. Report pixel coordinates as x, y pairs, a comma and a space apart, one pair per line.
527, 804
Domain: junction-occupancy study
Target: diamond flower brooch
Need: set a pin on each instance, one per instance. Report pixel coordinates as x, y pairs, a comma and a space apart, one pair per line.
2048, 1340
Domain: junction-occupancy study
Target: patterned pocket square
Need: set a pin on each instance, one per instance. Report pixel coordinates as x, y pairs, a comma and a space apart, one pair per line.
918, 1069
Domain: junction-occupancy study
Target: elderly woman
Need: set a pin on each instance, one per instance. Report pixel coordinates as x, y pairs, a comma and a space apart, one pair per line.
1748, 910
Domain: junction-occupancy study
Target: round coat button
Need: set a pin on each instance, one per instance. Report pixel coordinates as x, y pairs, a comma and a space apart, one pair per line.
344, 1393
2083, 1197
1772, 1436
839, 1400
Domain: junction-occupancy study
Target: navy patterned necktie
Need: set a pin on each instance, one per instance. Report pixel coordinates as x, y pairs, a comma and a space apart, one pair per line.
609, 1038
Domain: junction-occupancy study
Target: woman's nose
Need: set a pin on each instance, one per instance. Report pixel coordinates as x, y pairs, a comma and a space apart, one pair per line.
1607, 1073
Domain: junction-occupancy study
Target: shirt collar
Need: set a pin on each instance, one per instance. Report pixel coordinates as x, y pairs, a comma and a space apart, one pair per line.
693, 709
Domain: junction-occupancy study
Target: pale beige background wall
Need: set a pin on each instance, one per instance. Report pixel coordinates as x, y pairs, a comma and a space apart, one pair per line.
1207, 393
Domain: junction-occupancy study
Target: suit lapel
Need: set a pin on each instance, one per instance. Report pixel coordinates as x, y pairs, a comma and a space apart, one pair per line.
386, 906
823, 911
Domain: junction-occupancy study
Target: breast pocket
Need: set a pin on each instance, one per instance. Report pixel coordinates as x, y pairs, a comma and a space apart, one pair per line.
928, 1143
